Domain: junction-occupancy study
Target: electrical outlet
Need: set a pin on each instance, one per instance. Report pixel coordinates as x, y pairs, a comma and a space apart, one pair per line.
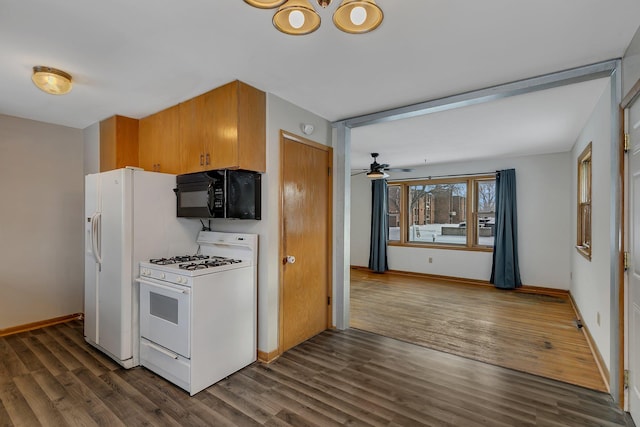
430, 260
598, 318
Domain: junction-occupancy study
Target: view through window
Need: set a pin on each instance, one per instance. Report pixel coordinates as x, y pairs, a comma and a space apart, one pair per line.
438, 212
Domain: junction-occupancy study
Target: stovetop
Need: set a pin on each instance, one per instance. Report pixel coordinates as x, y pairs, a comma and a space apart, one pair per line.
217, 251
192, 265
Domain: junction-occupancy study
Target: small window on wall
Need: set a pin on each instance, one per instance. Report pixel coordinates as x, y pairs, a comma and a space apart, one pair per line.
583, 243
394, 195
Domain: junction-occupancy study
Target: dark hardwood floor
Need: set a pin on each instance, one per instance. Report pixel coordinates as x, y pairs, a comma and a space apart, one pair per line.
533, 333
51, 377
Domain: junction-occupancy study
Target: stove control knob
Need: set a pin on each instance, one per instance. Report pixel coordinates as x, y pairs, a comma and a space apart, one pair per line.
162, 275
180, 279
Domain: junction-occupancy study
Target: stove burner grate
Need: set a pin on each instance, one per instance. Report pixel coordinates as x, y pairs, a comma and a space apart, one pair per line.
192, 266
214, 261
178, 259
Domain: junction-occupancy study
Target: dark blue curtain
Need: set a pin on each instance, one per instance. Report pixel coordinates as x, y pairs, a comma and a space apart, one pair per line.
379, 227
505, 273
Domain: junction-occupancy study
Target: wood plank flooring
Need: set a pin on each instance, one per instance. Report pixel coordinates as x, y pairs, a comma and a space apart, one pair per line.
50, 377
527, 332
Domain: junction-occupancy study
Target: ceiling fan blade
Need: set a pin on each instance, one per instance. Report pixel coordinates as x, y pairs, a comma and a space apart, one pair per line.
360, 173
399, 169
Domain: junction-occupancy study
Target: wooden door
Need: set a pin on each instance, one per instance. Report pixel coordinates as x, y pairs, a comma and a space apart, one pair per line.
634, 268
306, 235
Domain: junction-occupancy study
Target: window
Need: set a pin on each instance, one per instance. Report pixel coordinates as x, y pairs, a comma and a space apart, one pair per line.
485, 218
583, 243
393, 215
436, 212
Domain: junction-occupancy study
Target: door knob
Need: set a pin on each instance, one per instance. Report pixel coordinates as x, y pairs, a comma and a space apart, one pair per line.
289, 260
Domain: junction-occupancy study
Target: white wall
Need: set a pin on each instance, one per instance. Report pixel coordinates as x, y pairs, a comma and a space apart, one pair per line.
91, 136
591, 286
41, 237
543, 193
281, 115
631, 64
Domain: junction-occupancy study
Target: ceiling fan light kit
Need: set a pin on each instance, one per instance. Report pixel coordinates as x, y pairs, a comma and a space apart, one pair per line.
51, 80
358, 16
377, 174
298, 17
265, 4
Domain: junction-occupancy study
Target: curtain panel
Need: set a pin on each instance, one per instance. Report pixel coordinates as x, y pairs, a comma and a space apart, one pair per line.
505, 272
379, 227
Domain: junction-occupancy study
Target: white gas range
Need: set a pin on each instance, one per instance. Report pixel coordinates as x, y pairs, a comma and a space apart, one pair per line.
198, 313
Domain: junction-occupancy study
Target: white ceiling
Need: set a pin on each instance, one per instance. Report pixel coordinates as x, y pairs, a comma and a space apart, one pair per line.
137, 57
542, 122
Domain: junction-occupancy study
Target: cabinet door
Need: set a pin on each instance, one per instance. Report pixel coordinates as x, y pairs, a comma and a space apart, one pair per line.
118, 143
221, 109
159, 141
252, 118
192, 135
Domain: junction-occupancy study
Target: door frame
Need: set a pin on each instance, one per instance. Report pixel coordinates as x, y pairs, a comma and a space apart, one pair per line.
284, 135
623, 319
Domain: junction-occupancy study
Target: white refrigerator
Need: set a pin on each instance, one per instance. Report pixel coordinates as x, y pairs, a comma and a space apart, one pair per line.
130, 216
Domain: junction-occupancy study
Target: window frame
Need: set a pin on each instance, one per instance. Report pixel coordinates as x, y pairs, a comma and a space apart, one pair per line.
471, 243
584, 199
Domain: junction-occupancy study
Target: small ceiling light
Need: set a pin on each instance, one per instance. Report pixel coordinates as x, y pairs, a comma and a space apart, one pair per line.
377, 174
265, 4
358, 16
51, 80
296, 17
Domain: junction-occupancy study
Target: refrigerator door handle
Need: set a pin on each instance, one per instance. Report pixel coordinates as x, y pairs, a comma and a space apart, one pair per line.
95, 237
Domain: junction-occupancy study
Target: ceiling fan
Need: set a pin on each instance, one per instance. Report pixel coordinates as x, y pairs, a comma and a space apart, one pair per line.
379, 170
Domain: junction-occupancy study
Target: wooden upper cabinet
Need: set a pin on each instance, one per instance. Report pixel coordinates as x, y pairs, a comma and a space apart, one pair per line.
159, 141
118, 143
224, 129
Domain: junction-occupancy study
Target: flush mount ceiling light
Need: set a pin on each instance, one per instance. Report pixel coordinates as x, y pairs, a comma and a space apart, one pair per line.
51, 80
298, 17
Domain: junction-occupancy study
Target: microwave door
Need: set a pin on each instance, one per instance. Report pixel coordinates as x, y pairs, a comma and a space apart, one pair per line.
193, 200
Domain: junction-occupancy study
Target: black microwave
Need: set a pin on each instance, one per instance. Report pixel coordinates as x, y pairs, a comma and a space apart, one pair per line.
224, 193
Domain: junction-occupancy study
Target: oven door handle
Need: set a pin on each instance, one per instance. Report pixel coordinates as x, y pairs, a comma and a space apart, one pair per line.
162, 350
165, 287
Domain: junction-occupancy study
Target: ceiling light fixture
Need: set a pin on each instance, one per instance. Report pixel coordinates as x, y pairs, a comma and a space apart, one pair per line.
51, 80
298, 17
